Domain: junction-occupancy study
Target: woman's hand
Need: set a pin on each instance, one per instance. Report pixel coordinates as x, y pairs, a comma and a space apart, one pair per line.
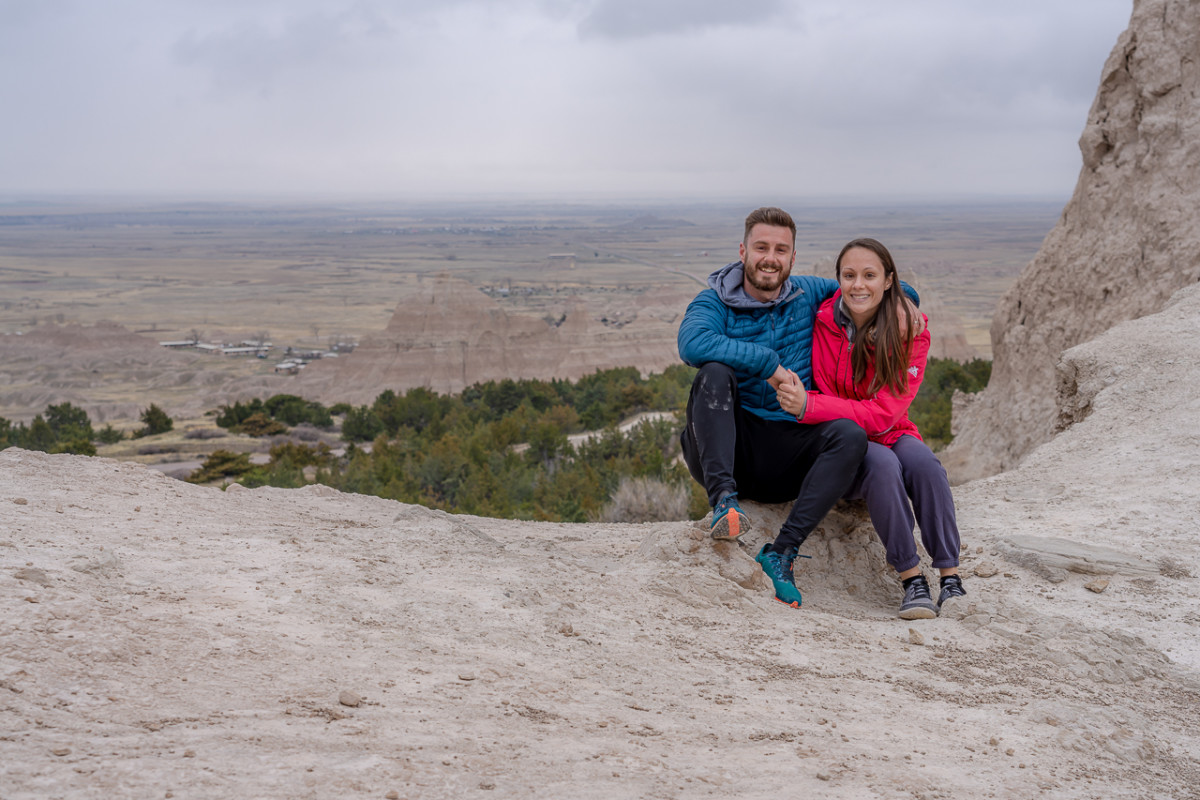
792, 396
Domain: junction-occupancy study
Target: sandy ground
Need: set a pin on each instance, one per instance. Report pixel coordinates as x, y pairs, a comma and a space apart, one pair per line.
165, 640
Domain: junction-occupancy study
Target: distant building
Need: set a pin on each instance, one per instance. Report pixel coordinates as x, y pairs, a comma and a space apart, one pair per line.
243, 351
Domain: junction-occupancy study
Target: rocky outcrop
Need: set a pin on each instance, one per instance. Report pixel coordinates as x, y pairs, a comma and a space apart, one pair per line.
1126, 241
446, 335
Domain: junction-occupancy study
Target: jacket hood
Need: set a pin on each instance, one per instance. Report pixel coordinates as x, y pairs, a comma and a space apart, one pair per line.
727, 283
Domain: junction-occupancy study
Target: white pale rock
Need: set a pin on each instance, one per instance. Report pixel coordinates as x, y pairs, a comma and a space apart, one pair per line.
1126, 241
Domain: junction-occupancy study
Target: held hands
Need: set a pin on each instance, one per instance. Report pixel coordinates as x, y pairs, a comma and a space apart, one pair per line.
792, 396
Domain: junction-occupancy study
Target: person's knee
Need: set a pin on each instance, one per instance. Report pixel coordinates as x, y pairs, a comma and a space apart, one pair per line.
881, 463
849, 435
715, 386
920, 463
714, 371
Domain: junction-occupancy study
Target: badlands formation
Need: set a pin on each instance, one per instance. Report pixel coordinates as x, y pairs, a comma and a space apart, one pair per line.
446, 335
114, 374
166, 640
1126, 241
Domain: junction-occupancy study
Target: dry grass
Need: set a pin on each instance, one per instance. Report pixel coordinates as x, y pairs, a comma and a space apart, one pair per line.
647, 500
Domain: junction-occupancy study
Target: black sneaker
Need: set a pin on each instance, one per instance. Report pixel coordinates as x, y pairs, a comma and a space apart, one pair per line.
918, 602
952, 587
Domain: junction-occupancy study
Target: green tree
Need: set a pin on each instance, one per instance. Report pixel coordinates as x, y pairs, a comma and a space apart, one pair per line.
79, 447
231, 417
361, 425
458, 452
221, 464
69, 422
39, 436
155, 421
261, 425
293, 410
930, 410
109, 435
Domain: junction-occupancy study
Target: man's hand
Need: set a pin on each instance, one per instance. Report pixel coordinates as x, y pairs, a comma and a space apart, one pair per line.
792, 396
909, 310
782, 375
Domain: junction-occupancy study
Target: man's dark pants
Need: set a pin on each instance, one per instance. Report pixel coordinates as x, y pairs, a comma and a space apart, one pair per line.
729, 449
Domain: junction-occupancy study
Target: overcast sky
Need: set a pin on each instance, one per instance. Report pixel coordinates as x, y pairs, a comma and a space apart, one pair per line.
700, 99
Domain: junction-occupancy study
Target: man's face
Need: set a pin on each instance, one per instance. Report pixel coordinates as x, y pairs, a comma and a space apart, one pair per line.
767, 256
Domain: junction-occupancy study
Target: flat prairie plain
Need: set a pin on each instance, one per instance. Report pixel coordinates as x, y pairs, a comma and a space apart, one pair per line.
310, 275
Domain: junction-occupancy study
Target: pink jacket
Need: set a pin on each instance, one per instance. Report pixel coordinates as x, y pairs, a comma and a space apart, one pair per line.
884, 416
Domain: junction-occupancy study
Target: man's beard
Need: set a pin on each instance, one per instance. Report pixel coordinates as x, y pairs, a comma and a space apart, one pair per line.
766, 283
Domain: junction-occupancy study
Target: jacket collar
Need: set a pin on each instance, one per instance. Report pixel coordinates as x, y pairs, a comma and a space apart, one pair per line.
842, 318
727, 283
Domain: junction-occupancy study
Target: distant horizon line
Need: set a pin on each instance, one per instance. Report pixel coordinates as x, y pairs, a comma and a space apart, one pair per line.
9, 199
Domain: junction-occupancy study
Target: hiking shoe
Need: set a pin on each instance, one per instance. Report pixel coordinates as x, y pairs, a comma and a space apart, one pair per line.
952, 587
918, 602
778, 567
729, 522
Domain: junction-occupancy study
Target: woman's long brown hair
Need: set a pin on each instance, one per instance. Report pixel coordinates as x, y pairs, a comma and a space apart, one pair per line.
882, 339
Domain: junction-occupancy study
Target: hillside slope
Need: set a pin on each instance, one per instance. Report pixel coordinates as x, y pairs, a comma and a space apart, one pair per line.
159, 637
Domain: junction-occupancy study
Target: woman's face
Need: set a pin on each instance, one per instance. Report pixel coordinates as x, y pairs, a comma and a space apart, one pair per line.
863, 281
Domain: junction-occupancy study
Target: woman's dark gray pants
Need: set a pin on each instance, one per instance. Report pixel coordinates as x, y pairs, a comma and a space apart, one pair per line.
889, 478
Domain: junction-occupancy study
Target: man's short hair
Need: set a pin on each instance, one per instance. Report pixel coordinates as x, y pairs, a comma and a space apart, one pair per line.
770, 215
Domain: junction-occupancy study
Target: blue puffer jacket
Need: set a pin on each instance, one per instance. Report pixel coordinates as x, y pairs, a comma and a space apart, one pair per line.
727, 325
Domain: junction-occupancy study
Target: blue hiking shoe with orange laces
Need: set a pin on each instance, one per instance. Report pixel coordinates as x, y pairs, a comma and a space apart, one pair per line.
778, 567
729, 522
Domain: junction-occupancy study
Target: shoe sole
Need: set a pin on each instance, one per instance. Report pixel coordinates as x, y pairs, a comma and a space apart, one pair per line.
730, 527
789, 605
918, 613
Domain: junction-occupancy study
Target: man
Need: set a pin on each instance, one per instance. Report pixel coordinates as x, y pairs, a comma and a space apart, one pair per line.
749, 333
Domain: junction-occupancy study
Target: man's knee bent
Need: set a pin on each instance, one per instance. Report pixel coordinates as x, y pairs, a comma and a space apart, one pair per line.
848, 435
714, 373
714, 387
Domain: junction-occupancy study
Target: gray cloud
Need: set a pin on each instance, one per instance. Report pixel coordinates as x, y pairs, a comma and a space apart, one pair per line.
249, 55
622, 19
574, 96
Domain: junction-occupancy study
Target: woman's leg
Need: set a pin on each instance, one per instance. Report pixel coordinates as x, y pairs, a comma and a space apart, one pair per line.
926, 483
880, 482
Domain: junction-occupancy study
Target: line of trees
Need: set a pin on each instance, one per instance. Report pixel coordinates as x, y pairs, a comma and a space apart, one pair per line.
498, 449
66, 428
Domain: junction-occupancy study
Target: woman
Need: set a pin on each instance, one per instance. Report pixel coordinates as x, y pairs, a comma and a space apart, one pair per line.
868, 363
